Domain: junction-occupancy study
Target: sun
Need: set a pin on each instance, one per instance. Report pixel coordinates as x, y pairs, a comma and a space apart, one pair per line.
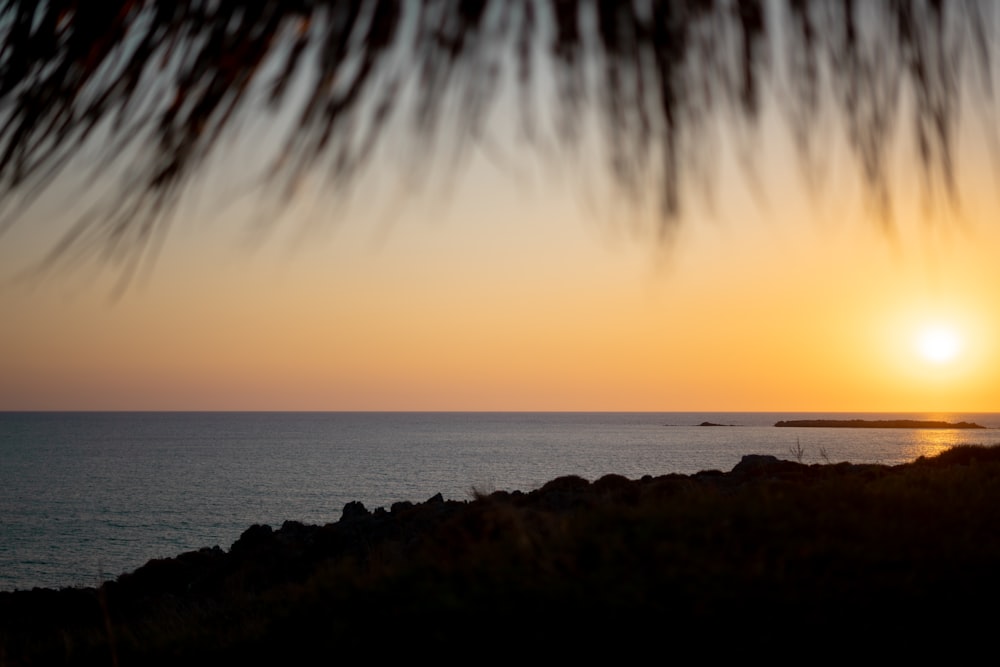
939, 344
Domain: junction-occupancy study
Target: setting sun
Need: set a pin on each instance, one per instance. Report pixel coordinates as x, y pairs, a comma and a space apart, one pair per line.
939, 344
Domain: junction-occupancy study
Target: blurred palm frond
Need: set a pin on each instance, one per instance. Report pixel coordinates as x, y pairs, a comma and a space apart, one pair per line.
158, 83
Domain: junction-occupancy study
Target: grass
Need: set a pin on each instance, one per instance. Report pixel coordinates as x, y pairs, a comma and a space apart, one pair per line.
797, 452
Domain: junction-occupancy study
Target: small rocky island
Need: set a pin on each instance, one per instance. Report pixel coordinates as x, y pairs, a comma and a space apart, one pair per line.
875, 423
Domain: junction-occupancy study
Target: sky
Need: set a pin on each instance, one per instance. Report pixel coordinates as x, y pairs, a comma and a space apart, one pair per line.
516, 283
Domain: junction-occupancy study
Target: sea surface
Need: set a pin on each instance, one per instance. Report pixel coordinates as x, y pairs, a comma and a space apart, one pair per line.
87, 496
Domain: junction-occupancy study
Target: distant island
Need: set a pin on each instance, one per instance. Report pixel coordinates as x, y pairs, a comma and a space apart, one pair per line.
875, 423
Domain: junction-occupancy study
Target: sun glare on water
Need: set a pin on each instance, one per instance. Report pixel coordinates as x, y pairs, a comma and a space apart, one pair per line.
939, 344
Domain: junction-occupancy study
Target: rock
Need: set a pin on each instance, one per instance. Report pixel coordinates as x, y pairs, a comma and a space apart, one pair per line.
253, 537
400, 506
755, 463
354, 510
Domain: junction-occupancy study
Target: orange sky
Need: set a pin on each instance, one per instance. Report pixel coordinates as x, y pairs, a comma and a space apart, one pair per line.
528, 291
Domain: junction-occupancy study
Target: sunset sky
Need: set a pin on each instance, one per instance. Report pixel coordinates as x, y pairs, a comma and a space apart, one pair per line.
523, 284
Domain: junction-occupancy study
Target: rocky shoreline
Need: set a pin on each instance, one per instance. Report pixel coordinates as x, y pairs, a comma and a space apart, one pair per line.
771, 546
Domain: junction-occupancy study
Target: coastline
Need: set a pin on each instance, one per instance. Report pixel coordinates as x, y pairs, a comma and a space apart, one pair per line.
185, 485
770, 544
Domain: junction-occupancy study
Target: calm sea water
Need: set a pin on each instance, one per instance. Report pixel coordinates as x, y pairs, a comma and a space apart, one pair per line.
87, 496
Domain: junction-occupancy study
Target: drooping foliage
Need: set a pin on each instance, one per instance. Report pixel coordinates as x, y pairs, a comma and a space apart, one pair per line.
158, 84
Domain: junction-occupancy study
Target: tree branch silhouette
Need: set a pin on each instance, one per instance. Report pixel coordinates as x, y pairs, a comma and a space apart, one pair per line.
158, 83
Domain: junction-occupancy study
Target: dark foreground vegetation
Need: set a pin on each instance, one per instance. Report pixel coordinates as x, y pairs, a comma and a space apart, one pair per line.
772, 557
875, 423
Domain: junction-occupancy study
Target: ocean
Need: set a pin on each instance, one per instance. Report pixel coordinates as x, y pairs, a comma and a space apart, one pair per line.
87, 496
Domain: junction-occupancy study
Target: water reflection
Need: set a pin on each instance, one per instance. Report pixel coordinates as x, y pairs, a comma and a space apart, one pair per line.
929, 442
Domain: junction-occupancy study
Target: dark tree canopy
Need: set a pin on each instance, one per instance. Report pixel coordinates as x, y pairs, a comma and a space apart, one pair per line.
159, 83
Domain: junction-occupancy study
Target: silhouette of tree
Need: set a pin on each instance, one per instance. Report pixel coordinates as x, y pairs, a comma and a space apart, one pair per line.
158, 83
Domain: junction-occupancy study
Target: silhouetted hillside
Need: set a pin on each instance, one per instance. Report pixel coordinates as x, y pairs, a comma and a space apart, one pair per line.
773, 556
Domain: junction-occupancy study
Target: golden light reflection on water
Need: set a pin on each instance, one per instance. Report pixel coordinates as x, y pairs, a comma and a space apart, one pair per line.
930, 442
